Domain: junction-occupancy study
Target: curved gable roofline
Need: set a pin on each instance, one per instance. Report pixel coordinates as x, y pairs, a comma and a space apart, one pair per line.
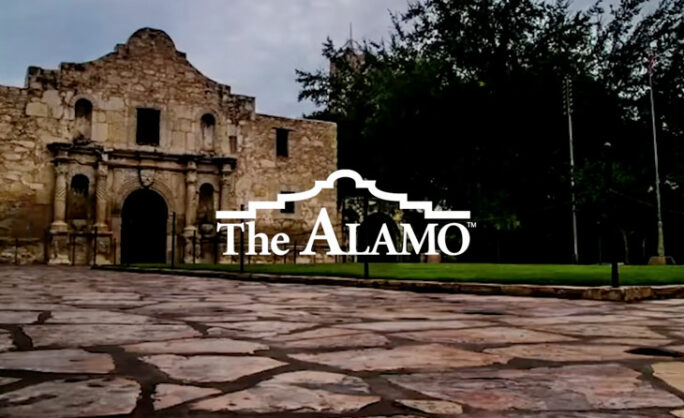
142, 41
329, 183
144, 37
148, 32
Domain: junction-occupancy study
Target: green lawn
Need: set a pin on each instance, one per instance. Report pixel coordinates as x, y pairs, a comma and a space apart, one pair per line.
558, 274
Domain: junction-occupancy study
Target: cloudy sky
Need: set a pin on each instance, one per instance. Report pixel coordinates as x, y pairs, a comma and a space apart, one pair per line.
252, 45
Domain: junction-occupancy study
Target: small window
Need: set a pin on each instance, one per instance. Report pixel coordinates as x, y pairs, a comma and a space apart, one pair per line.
83, 111
289, 206
233, 144
282, 136
148, 126
207, 123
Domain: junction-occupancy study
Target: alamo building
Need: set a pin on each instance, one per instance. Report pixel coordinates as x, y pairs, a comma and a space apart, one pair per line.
104, 160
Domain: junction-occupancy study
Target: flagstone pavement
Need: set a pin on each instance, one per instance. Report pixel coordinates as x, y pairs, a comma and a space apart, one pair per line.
76, 342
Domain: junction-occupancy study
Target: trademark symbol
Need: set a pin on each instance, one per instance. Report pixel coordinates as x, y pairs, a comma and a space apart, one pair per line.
472, 224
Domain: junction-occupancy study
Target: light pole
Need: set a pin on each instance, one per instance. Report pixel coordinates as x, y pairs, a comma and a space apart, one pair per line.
660, 259
567, 88
612, 222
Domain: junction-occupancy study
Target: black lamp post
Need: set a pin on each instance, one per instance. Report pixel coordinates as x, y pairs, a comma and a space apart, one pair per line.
612, 223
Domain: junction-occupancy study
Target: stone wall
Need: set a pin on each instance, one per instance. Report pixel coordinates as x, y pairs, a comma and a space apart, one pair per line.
262, 175
147, 71
45, 142
22, 250
25, 170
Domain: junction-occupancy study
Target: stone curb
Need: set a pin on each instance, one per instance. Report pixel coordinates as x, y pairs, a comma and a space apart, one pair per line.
605, 293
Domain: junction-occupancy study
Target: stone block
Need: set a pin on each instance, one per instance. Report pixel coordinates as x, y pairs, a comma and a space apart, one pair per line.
36, 109
100, 132
114, 103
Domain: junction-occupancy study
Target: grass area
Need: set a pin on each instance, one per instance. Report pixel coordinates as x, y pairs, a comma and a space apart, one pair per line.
557, 274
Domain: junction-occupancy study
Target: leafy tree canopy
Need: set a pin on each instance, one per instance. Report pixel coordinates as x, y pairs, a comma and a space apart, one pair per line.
464, 105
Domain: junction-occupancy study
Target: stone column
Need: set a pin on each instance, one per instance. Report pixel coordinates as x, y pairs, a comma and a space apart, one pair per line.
190, 195
59, 246
59, 198
190, 229
224, 199
104, 233
101, 196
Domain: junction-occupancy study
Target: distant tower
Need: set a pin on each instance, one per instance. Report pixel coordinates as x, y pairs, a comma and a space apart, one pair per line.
350, 41
351, 53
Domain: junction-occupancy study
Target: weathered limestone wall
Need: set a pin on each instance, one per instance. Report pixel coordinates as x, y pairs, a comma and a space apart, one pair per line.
262, 175
147, 71
25, 170
22, 250
44, 144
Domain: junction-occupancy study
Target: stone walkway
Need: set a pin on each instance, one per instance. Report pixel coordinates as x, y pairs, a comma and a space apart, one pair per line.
76, 342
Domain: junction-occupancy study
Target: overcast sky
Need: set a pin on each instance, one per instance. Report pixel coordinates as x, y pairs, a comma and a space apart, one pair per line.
252, 45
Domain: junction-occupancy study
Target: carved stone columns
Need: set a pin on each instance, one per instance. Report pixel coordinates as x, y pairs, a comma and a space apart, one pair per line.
190, 195
101, 196
225, 201
190, 229
104, 234
59, 246
59, 198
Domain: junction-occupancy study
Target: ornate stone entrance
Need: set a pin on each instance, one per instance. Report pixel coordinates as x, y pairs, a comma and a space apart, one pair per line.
143, 228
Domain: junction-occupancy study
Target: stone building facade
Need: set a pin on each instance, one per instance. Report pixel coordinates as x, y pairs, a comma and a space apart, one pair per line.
97, 160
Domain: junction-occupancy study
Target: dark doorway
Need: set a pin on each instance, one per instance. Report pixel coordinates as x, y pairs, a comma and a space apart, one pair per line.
143, 228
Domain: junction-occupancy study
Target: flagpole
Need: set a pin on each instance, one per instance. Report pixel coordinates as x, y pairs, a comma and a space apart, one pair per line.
661, 239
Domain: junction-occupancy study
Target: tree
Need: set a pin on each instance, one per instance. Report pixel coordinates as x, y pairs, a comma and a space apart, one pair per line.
463, 106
